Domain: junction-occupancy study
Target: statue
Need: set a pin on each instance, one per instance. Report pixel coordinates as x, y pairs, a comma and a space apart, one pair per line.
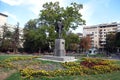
59, 27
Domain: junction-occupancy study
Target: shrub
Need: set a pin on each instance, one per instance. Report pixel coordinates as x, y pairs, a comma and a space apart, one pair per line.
70, 64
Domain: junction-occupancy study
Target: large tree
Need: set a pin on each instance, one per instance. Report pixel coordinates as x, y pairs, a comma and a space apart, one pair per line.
117, 39
31, 24
85, 43
6, 37
49, 15
117, 42
10, 38
71, 15
15, 39
110, 43
36, 37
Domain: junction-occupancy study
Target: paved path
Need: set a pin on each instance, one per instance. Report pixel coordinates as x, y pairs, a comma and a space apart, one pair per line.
116, 57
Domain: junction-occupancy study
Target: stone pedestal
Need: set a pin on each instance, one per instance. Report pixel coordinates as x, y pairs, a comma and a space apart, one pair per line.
59, 47
59, 53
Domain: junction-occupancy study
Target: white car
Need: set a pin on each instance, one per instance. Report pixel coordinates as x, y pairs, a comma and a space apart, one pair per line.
92, 51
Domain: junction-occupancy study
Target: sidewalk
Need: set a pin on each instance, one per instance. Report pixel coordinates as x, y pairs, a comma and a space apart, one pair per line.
116, 57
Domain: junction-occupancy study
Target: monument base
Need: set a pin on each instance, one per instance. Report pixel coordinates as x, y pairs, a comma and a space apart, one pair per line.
59, 47
58, 58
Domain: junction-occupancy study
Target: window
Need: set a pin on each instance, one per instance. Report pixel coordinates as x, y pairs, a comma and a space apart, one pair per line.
114, 28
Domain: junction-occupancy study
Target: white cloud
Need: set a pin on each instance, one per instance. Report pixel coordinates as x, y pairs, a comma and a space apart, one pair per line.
87, 11
13, 2
11, 16
91, 7
34, 5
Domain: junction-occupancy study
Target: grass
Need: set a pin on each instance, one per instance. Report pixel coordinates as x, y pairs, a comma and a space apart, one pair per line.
15, 76
47, 62
3, 57
118, 62
111, 76
96, 55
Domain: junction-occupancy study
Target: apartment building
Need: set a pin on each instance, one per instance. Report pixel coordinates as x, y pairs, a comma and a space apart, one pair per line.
92, 31
80, 35
3, 19
98, 33
11, 28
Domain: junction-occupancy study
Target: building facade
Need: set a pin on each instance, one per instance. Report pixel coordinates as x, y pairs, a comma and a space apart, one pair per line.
3, 19
80, 35
98, 33
4, 25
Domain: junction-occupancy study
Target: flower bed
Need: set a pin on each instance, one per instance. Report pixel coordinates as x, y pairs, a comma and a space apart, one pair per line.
10, 62
90, 62
19, 58
87, 67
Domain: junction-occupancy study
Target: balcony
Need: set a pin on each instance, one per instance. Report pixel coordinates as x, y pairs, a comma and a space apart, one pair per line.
100, 36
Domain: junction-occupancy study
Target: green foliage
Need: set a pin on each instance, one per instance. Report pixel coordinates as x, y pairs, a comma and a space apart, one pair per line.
72, 41
6, 39
36, 40
52, 12
35, 30
10, 39
31, 24
6, 45
110, 42
117, 38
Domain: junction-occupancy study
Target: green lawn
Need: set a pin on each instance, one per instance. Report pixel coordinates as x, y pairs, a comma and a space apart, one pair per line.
3, 57
49, 65
111, 76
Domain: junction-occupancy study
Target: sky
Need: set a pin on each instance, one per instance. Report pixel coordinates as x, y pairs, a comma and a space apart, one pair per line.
94, 11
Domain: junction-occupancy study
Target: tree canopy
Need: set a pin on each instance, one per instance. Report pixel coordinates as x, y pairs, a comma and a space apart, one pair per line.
40, 33
52, 12
117, 38
112, 42
9, 38
85, 43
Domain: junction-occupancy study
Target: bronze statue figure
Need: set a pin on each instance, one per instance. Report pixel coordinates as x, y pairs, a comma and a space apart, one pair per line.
59, 27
